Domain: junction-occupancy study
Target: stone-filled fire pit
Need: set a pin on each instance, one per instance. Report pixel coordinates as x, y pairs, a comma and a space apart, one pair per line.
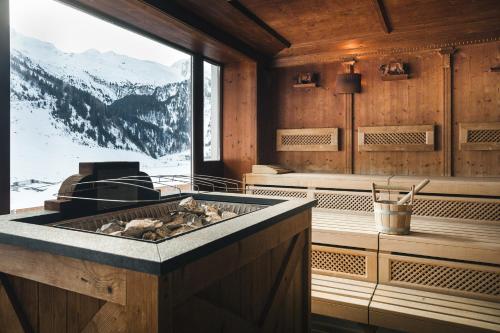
161, 221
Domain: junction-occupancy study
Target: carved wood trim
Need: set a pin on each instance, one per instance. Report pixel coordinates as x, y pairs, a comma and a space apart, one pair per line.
339, 56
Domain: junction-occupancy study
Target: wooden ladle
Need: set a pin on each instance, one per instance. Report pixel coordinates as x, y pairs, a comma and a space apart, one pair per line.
407, 197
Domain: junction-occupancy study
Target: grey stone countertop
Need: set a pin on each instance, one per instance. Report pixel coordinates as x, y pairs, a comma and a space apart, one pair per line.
138, 255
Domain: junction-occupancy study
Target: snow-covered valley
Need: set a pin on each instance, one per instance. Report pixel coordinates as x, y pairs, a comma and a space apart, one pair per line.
70, 108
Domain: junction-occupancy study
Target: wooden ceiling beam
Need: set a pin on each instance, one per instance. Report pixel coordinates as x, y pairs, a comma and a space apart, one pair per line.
172, 9
383, 18
257, 20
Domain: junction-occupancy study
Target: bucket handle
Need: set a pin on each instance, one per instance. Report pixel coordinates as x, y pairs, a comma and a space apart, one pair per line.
376, 188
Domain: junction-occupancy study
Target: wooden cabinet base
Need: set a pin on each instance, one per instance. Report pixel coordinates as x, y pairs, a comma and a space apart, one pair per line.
258, 284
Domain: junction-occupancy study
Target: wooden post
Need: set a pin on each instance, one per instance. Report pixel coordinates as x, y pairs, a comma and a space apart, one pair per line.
348, 114
447, 129
348, 133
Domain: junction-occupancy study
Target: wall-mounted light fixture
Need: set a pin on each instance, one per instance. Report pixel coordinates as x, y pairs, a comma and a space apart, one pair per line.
348, 82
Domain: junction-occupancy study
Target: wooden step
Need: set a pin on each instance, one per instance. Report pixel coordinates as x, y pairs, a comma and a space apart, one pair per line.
341, 298
354, 229
412, 310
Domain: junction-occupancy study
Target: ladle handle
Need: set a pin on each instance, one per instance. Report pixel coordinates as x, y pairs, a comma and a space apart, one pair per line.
408, 196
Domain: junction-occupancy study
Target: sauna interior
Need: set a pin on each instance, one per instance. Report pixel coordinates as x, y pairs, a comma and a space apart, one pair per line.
249, 166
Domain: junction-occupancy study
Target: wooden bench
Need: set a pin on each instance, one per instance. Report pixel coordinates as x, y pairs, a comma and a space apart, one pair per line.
347, 298
417, 311
453, 249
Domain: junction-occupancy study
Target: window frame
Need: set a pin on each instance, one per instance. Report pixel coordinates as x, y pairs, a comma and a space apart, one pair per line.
5, 142
221, 108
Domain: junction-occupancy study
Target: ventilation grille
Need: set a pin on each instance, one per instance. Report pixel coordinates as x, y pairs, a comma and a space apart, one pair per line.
343, 263
279, 192
449, 278
479, 136
396, 138
473, 210
483, 136
307, 139
341, 201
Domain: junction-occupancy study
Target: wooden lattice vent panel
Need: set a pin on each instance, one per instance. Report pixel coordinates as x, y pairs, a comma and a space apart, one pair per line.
396, 138
477, 209
446, 278
362, 202
479, 136
277, 192
338, 262
307, 139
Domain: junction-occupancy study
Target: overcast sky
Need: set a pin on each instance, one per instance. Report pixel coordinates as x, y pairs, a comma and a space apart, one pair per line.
71, 30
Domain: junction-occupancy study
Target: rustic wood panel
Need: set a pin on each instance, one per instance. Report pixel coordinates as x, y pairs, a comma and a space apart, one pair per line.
308, 108
96, 280
239, 147
258, 297
416, 101
476, 99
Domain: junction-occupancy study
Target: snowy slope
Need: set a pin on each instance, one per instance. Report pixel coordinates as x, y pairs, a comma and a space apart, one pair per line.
108, 75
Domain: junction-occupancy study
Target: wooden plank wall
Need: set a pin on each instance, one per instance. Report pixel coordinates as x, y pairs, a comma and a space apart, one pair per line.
408, 102
307, 108
421, 100
476, 99
239, 146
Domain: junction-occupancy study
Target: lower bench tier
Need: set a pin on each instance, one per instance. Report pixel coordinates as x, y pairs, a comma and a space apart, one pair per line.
418, 311
403, 309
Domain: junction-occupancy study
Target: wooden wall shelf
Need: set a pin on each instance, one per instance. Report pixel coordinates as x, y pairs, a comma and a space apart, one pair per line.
305, 85
396, 138
479, 136
307, 139
394, 77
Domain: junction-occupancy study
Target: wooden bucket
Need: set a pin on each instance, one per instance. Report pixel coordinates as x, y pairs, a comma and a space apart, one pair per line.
391, 217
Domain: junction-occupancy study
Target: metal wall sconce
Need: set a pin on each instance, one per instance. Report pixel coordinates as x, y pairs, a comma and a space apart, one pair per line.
348, 82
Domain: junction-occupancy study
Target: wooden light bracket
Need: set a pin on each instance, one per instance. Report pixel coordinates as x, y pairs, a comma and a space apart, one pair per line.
348, 65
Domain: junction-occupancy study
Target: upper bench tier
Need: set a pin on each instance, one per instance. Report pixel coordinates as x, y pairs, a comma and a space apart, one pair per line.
439, 185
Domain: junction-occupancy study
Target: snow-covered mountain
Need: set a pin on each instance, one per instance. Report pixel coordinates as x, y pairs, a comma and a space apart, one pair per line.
102, 99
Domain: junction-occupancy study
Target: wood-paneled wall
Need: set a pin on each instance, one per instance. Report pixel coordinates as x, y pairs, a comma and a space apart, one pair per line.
424, 99
239, 146
476, 98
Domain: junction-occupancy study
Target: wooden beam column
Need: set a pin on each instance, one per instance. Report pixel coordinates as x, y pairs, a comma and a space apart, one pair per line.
348, 122
447, 92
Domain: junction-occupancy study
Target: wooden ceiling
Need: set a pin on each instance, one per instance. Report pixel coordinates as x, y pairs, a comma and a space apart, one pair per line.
319, 30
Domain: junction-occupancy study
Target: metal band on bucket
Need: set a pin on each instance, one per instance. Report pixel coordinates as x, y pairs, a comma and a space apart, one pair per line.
390, 212
389, 230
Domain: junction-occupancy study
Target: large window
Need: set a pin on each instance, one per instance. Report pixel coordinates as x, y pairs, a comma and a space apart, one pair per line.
83, 89
211, 112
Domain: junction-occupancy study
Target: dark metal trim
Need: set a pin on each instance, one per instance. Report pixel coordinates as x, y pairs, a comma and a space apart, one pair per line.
250, 15
4, 108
